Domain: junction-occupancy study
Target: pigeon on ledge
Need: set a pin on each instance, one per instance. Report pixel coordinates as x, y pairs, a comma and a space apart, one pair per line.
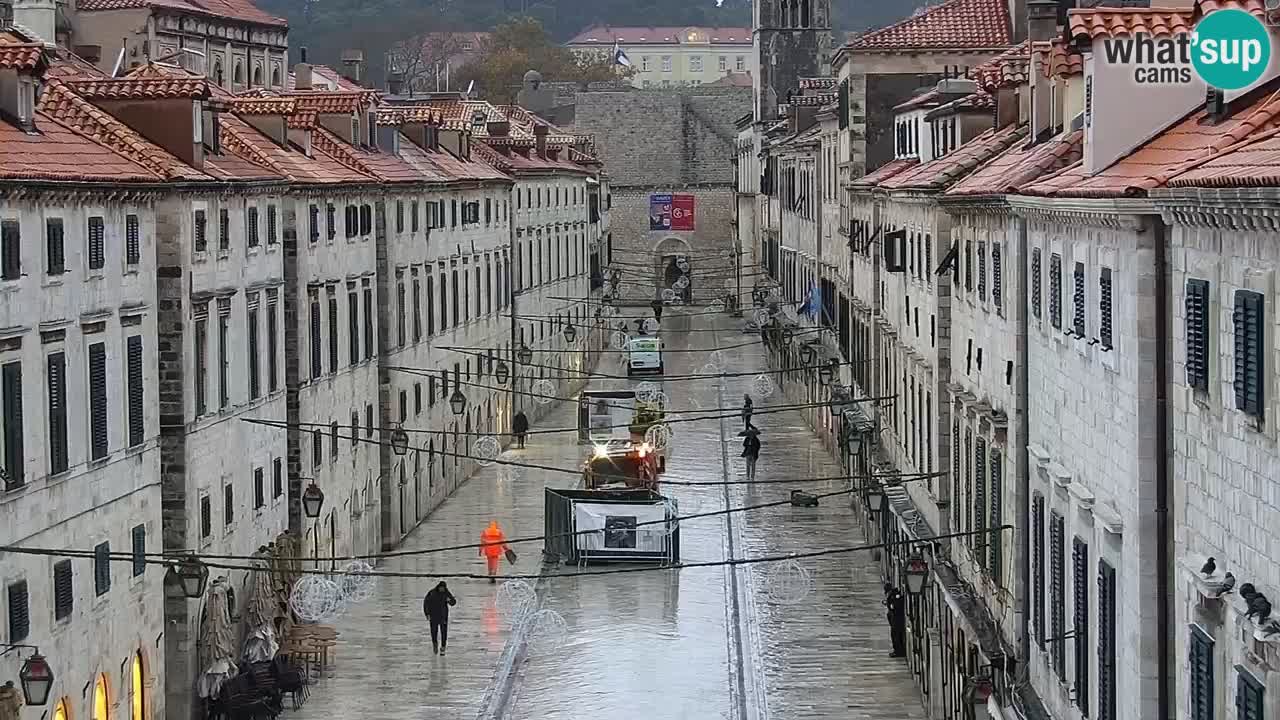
1259, 608
1209, 567
1225, 585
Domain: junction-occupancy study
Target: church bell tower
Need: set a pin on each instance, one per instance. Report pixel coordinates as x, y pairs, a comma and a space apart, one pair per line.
791, 39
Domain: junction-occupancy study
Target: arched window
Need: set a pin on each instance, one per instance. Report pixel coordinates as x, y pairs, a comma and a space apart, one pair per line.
237, 77
101, 699
257, 77
275, 78
217, 72
137, 688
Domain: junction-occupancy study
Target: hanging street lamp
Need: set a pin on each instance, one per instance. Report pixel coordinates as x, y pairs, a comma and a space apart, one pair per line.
37, 679
399, 440
917, 573
524, 355
502, 373
192, 575
875, 497
458, 402
827, 374
852, 437
570, 333
312, 501
807, 355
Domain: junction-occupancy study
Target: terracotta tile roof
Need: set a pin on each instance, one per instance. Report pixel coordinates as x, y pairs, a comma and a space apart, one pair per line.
21, 56
334, 102
59, 101
1058, 59
234, 9
1091, 23
940, 173
1184, 146
1254, 163
977, 102
57, 152
1254, 7
953, 24
332, 78
1020, 165
263, 105
141, 88
605, 35
928, 98
449, 166
407, 114
302, 120
1006, 69
291, 162
884, 172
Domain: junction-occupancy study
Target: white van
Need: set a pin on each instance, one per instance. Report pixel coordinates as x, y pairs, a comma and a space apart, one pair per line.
644, 355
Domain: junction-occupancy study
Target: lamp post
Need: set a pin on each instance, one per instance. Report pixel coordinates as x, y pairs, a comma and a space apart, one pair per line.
189, 574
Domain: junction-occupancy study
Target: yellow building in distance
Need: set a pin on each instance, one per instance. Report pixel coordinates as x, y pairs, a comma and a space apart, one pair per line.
672, 56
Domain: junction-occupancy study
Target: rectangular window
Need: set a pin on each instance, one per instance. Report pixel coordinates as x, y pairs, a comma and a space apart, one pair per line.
368, 420
1200, 659
314, 213
1249, 695
1104, 308
351, 221
139, 539
136, 390
331, 221
1196, 304
333, 330
63, 590
431, 306
997, 276
1249, 365
400, 313
413, 216
399, 216
666, 63
277, 478
333, 441
11, 377
317, 448
353, 326
201, 351
417, 398
1077, 300
272, 236
453, 306
368, 323
206, 517
251, 225
255, 382
259, 489
132, 242
1080, 619
366, 219
740, 63
1106, 641
228, 504
224, 230
224, 358
723, 64
1035, 282
982, 271
1055, 291
56, 372
980, 498
316, 362
201, 223
1057, 593
55, 246
997, 517
98, 435
1037, 568
19, 611
10, 250
417, 309
272, 340
101, 568
96, 238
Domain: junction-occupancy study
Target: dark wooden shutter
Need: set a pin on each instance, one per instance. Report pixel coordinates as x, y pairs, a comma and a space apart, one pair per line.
317, 448
98, 436
201, 231
132, 242
259, 489
10, 250
982, 271
982, 540
1035, 282
1249, 353
1037, 568
228, 504
272, 237
1106, 641
333, 332
1057, 592
315, 224
1077, 300
101, 568
206, 517
139, 537
399, 216
1055, 291
137, 410
1080, 606
272, 347
19, 612
63, 590
277, 478
968, 483
316, 369
56, 372
331, 221
353, 326
55, 246
1249, 695
97, 251
997, 275
1196, 304
251, 225
255, 376
224, 229
1200, 659
1105, 308
14, 456
368, 323
997, 518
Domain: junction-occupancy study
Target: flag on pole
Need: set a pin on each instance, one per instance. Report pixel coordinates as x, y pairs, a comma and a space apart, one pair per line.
620, 56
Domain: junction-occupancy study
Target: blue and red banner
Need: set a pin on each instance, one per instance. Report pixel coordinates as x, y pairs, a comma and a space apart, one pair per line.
671, 212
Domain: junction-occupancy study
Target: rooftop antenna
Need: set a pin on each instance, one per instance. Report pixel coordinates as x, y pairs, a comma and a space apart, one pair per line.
115, 72
470, 86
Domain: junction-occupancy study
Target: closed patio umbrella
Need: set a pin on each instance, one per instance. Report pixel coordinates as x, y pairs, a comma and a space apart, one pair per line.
216, 650
261, 643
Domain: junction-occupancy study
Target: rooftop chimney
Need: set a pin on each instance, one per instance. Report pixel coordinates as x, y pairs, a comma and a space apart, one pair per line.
38, 16
353, 65
302, 72
395, 83
540, 139
499, 129
1042, 20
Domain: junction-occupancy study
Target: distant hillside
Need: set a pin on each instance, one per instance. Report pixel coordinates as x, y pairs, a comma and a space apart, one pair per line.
327, 27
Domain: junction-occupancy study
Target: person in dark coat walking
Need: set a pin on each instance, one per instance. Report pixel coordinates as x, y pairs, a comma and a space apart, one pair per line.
751, 449
436, 607
747, 407
896, 612
520, 426
657, 309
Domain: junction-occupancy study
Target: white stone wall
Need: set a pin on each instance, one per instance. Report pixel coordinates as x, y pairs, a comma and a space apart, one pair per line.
1092, 447
1227, 495
94, 501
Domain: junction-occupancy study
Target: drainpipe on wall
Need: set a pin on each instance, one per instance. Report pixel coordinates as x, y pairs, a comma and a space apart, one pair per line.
1164, 610
1024, 467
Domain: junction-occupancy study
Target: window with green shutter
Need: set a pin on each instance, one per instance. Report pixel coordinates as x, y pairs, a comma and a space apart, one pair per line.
1035, 282
1249, 695
1055, 291
63, 590
1249, 338
1196, 306
19, 611
11, 400
982, 541
96, 236
1106, 641
1080, 618
98, 436
135, 391
1105, 308
139, 537
1077, 300
132, 240
1057, 593
101, 568
55, 247
996, 539
1037, 567
10, 250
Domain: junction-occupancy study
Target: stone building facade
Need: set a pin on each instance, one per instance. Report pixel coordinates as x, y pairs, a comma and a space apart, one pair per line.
791, 39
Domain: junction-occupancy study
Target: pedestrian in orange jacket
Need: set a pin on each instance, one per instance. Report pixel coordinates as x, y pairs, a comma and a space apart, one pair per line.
493, 544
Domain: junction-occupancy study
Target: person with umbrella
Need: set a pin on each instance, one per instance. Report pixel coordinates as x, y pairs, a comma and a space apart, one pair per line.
751, 448
520, 427
436, 606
